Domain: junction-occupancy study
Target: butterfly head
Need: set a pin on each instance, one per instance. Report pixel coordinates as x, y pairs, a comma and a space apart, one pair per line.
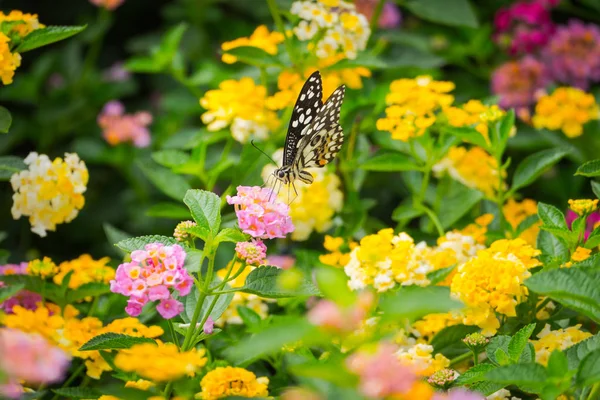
284, 174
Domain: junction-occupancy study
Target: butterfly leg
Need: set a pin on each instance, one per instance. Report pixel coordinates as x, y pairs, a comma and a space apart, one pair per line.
295, 191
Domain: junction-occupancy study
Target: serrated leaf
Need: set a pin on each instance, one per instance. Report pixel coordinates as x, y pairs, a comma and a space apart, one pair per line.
451, 335
111, 341
589, 169
171, 184
390, 162
452, 12
554, 250
10, 165
206, 210
579, 351
467, 134
519, 341
589, 370
531, 375
231, 235
557, 364
168, 210
474, 374
501, 357
413, 302
45, 36
193, 258
535, 165
551, 216
5, 120
140, 242
263, 282
77, 393
575, 288
501, 342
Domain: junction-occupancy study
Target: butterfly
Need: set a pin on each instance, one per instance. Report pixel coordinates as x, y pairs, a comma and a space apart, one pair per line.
314, 134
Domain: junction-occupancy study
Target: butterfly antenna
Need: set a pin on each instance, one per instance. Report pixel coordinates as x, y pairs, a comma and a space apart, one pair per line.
268, 156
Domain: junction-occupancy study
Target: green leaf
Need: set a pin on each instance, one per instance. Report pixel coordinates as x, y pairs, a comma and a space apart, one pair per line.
552, 216
91, 289
535, 165
327, 371
589, 169
250, 317
406, 212
527, 223
77, 393
5, 120
147, 65
44, 36
439, 275
447, 12
557, 364
206, 211
254, 56
467, 134
457, 204
168, 210
450, 336
233, 235
138, 243
575, 288
486, 388
263, 282
593, 239
474, 374
589, 370
505, 126
171, 158
596, 188
9, 165
113, 234
192, 260
519, 341
554, 250
501, 357
272, 339
333, 283
531, 375
579, 351
222, 302
413, 302
10, 291
390, 162
110, 341
501, 342
173, 185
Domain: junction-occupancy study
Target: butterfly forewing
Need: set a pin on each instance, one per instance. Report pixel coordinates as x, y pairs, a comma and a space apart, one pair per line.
306, 109
324, 137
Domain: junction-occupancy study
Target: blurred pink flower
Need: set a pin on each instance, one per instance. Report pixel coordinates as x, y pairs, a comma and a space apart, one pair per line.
116, 73
381, 374
458, 394
23, 298
523, 27
590, 224
13, 269
330, 316
208, 326
518, 82
119, 127
283, 262
573, 54
29, 358
260, 214
108, 4
389, 18
150, 275
253, 252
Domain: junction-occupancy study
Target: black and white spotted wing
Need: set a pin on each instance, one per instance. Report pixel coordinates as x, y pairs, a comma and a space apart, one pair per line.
307, 106
324, 137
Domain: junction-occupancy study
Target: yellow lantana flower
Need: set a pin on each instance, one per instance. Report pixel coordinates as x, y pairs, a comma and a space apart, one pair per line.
474, 112
567, 109
8, 61
85, 270
260, 38
160, 362
230, 381
515, 212
560, 339
583, 206
29, 22
43, 268
412, 106
336, 257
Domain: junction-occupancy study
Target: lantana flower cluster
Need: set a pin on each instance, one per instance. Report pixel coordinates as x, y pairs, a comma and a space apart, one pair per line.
340, 28
260, 38
28, 22
9, 62
323, 194
253, 252
119, 127
49, 192
412, 104
232, 381
549, 340
516, 212
150, 276
84, 269
260, 214
474, 112
241, 106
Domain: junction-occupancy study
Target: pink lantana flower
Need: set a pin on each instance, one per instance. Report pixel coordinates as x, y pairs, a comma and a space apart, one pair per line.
29, 358
330, 316
260, 214
153, 274
592, 221
253, 252
119, 127
524, 27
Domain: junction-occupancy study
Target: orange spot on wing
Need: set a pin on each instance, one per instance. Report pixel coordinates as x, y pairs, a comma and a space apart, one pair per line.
322, 161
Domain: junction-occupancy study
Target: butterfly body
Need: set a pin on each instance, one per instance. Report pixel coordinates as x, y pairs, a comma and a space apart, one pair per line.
314, 134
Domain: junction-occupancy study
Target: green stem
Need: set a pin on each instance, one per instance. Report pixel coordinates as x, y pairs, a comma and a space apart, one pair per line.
434, 219
279, 23
594, 392
376, 15
263, 76
542, 305
95, 48
500, 195
93, 307
475, 358
73, 376
168, 389
460, 358
173, 334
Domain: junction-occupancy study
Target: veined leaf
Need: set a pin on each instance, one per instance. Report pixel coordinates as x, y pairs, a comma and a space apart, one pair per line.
44, 36
206, 210
263, 282
110, 341
535, 165
5, 120
589, 169
10, 165
138, 243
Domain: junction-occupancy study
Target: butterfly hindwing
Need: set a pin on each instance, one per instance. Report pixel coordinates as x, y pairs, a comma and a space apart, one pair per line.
306, 109
324, 137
